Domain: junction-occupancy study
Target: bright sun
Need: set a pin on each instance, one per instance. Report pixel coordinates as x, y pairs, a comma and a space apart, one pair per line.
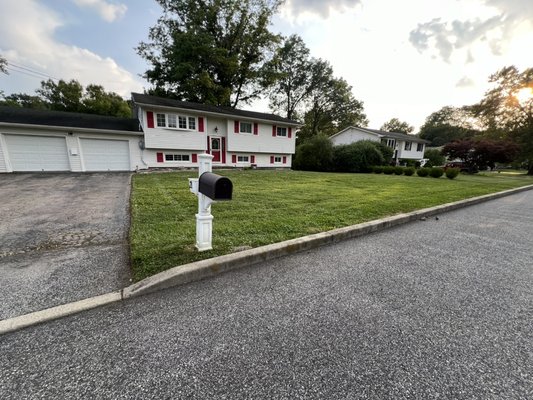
524, 94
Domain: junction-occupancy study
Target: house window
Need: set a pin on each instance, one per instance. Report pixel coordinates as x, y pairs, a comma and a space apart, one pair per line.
280, 131
192, 123
391, 143
243, 159
161, 120
408, 146
177, 157
171, 120
182, 122
277, 159
420, 147
245, 127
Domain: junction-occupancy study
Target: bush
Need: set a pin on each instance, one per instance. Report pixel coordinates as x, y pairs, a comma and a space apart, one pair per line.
436, 172
378, 169
451, 173
388, 170
385, 150
435, 158
316, 154
409, 171
408, 162
422, 172
357, 157
398, 170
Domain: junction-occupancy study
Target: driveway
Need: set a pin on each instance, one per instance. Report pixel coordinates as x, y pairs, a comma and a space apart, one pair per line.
63, 237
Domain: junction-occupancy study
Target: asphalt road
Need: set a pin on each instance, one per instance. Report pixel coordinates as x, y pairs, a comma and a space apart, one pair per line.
432, 309
63, 237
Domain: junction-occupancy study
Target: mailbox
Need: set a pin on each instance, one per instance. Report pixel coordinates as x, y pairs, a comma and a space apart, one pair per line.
215, 187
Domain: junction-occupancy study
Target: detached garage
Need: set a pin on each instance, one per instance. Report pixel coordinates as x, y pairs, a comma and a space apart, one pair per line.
42, 140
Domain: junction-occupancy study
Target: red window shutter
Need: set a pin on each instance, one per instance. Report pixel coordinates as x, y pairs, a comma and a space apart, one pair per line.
200, 124
223, 149
274, 130
252, 159
271, 159
284, 160
150, 119
256, 128
290, 132
159, 157
208, 144
237, 127
195, 158
234, 159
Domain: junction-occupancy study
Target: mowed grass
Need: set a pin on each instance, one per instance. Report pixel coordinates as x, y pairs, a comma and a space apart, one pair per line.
272, 206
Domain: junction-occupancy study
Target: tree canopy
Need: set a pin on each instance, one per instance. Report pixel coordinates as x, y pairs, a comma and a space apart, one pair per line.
395, 125
211, 51
3, 65
71, 96
448, 124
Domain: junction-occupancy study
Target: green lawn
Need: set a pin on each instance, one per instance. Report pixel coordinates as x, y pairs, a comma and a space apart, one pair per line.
272, 206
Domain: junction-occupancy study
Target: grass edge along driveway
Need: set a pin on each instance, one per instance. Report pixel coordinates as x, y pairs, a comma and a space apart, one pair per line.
273, 206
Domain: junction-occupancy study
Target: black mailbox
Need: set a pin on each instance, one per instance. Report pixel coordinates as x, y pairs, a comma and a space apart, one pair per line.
215, 187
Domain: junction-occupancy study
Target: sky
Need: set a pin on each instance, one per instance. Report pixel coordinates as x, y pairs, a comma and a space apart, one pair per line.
404, 59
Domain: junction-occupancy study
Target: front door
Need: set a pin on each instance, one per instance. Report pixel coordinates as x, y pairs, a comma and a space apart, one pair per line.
215, 149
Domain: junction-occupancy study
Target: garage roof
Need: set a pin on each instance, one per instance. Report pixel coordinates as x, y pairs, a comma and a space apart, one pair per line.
145, 99
29, 116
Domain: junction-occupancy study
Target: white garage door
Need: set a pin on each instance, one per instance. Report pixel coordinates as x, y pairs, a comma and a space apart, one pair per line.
37, 153
105, 155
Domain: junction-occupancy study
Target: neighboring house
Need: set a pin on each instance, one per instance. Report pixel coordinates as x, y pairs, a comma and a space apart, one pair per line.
166, 133
175, 132
405, 146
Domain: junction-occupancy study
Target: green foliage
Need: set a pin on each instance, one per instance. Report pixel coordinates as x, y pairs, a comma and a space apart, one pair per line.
448, 124
481, 154
422, 172
451, 173
356, 157
385, 150
409, 171
435, 158
388, 169
395, 125
314, 155
436, 172
378, 169
398, 170
3, 65
24, 100
213, 52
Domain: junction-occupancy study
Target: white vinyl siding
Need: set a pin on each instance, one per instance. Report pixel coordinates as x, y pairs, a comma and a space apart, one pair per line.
105, 155
37, 153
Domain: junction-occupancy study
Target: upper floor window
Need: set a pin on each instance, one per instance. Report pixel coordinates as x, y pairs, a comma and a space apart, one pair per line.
175, 121
408, 146
245, 127
420, 147
281, 131
161, 121
389, 142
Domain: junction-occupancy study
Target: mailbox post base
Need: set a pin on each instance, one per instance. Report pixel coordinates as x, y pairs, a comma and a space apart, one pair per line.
204, 232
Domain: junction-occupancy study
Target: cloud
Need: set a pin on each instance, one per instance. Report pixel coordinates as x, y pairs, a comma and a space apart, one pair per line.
319, 7
446, 37
27, 38
108, 11
465, 82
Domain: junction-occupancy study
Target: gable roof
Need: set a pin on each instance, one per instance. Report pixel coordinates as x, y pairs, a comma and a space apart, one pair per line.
29, 116
384, 134
145, 99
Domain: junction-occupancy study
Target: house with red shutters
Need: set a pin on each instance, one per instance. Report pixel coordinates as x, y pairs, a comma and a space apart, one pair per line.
175, 132
164, 133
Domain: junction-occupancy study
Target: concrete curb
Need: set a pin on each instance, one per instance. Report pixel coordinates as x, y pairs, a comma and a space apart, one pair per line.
196, 271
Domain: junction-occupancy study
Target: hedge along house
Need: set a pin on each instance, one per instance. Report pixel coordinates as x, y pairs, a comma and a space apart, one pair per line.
408, 147
43, 140
175, 132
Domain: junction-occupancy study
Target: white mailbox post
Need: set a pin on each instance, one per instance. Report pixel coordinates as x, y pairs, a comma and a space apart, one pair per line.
218, 188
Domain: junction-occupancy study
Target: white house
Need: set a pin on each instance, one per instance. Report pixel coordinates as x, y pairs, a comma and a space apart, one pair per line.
405, 146
165, 133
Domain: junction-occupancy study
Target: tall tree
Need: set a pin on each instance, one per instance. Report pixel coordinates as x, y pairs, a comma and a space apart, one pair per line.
395, 125
23, 100
62, 96
97, 101
507, 109
210, 51
290, 69
448, 124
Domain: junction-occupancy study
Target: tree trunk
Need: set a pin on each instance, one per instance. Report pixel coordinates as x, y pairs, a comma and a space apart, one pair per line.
530, 169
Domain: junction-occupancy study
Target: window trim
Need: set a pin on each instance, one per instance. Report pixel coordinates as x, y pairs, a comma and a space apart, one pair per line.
174, 155
243, 156
408, 146
251, 127
280, 160
177, 119
278, 128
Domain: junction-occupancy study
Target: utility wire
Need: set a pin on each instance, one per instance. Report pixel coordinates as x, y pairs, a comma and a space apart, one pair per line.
28, 71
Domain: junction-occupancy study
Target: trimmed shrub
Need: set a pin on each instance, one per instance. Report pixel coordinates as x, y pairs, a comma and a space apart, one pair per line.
316, 154
385, 150
422, 172
398, 170
388, 170
409, 171
357, 157
435, 158
451, 173
378, 169
436, 172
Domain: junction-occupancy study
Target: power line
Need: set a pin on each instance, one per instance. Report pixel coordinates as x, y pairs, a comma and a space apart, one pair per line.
11, 69
32, 71
28, 71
